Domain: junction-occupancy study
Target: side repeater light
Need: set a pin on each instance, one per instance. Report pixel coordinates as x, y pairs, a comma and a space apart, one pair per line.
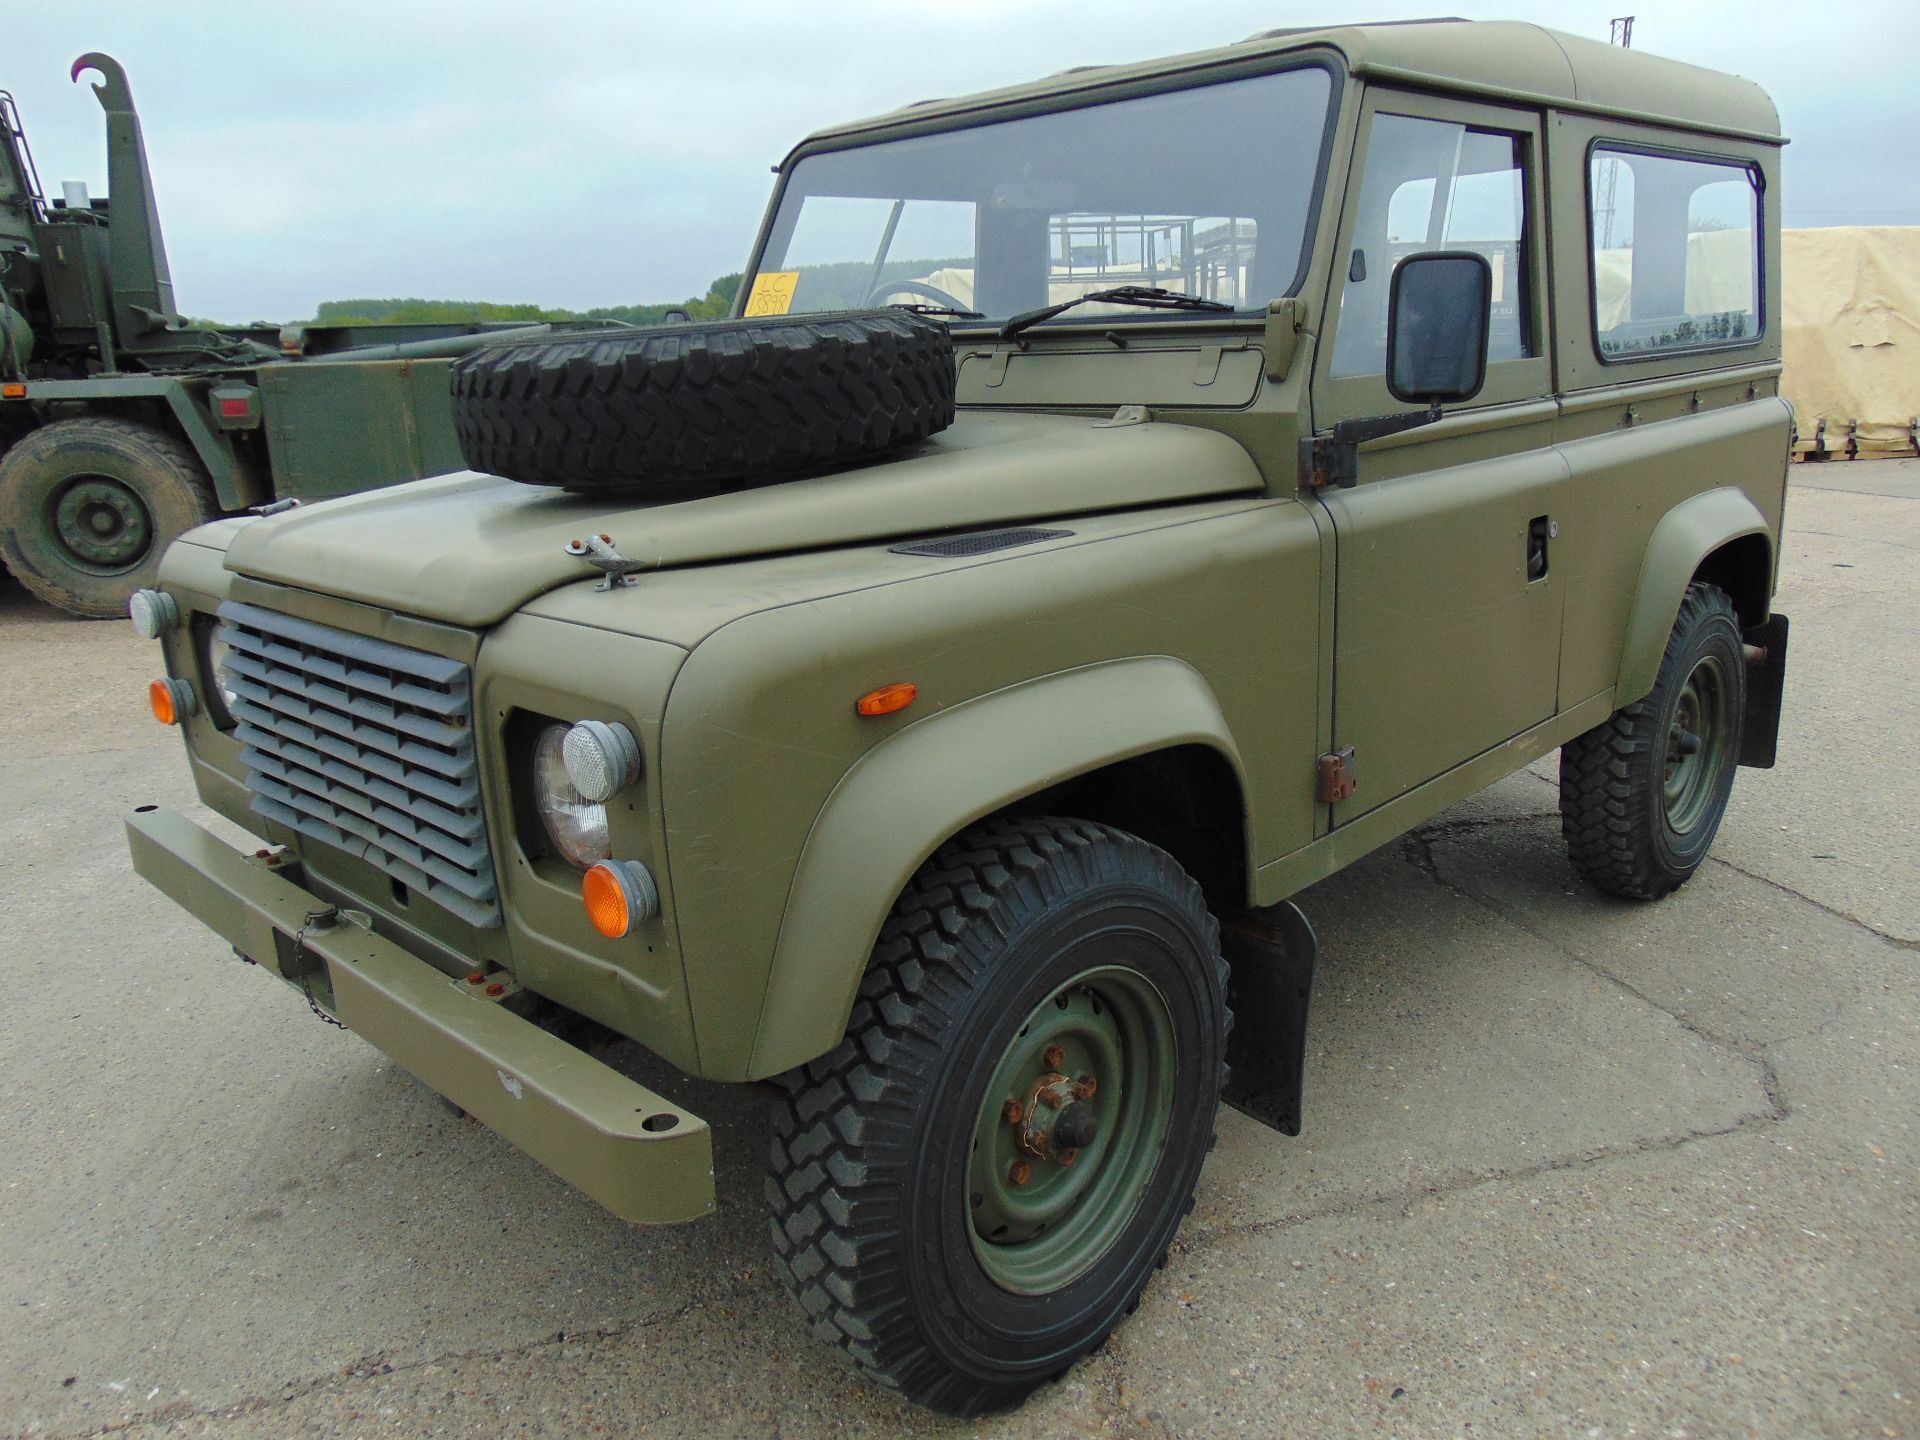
601, 759
887, 699
619, 894
172, 700
153, 612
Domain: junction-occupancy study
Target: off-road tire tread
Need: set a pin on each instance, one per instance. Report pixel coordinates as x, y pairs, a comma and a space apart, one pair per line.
711, 405
168, 450
834, 1207
1606, 808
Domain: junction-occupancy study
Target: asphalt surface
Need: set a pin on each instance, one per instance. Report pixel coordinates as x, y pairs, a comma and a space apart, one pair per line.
1571, 1167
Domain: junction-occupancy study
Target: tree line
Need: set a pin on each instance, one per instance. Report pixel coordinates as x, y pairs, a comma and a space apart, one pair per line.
715, 304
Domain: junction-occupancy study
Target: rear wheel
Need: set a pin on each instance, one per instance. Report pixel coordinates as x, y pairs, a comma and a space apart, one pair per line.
975, 1186
1642, 795
88, 506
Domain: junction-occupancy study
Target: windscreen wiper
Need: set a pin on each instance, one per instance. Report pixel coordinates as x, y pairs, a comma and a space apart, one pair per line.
915, 307
1147, 297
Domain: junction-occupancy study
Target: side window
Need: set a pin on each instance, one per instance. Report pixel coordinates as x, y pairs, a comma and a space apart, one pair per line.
1435, 185
1676, 261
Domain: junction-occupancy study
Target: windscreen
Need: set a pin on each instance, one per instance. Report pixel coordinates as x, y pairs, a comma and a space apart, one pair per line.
1205, 191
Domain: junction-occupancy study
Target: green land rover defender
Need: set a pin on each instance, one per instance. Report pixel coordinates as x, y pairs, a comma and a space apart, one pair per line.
1120, 501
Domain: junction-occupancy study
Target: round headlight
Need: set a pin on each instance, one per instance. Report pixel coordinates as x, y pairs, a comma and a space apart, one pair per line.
218, 675
602, 759
576, 825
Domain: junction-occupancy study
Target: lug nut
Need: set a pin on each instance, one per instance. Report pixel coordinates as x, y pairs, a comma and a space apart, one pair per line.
1067, 1157
1055, 1057
1012, 1112
1021, 1172
1084, 1087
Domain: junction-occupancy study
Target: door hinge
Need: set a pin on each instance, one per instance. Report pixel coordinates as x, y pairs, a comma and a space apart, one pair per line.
1339, 777
1332, 457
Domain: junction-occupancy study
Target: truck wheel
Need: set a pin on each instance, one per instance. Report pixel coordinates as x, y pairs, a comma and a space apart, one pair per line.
1641, 795
975, 1186
680, 408
88, 506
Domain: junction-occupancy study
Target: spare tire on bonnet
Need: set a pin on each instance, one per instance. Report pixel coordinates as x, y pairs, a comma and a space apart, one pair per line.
703, 405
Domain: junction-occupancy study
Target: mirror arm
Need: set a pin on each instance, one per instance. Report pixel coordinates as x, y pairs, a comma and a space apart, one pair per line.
1332, 457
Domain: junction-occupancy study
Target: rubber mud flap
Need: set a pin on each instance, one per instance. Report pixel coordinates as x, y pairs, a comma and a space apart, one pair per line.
710, 405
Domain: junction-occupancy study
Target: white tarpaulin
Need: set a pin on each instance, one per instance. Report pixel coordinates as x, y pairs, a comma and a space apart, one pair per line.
1852, 337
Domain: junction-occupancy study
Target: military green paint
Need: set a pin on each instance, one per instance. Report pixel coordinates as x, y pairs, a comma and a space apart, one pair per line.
636, 984
336, 428
932, 777
1521, 63
642, 1157
471, 549
1686, 535
1201, 599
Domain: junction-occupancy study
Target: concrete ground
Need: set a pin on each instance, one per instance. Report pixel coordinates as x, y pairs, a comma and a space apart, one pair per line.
1571, 1167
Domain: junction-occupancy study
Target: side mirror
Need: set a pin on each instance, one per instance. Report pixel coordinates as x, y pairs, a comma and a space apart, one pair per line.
1437, 322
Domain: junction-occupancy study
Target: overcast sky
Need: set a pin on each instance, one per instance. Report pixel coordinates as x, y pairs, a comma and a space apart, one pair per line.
590, 152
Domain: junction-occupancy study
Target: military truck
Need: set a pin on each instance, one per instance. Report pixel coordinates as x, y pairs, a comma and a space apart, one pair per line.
930, 708
123, 424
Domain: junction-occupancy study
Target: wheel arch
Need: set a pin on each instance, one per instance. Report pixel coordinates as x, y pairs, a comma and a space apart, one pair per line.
1117, 741
1718, 536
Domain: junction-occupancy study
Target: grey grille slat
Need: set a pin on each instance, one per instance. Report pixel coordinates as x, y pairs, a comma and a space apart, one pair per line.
365, 746
316, 747
435, 669
377, 836
431, 827
474, 912
277, 709
347, 703
262, 656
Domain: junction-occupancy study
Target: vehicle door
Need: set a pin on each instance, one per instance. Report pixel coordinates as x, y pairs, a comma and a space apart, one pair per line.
1447, 608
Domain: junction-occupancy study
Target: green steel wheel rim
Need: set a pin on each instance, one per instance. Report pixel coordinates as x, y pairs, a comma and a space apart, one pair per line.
1041, 1220
101, 523
1697, 745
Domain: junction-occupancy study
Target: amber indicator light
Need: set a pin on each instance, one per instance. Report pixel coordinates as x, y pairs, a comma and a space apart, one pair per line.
160, 697
12, 391
606, 901
887, 699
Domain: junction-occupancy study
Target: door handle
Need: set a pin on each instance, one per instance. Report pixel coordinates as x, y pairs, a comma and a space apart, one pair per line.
1540, 530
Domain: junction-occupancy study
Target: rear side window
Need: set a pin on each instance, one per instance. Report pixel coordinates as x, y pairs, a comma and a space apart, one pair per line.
1676, 257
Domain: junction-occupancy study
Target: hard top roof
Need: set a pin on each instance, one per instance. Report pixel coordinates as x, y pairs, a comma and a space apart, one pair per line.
1502, 59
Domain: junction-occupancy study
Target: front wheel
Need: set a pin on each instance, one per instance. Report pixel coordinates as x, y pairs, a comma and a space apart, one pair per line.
976, 1185
1642, 794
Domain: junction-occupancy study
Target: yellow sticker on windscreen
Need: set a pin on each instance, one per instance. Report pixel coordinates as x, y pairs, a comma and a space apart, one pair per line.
772, 292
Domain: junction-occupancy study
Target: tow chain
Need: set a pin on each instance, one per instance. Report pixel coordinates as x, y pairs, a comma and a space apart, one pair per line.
324, 918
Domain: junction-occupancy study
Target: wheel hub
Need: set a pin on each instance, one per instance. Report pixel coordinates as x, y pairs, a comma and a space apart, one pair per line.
102, 522
1696, 736
1051, 1123
1069, 1130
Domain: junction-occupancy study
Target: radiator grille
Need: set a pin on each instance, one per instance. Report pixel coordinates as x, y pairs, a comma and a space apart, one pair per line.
365, 746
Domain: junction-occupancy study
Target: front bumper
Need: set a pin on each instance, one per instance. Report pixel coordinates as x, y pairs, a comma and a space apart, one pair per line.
643, 1158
